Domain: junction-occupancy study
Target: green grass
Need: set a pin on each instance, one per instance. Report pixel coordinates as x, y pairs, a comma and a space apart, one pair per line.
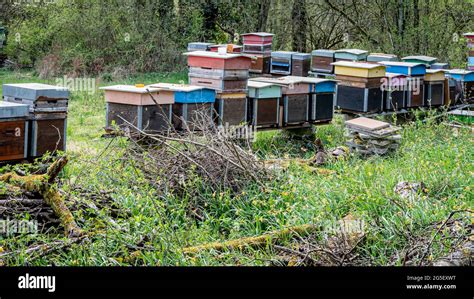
155, 227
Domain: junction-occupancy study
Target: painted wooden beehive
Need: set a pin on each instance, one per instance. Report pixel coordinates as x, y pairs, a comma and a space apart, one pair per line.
322, 98
426, 60
231, 80
434, 88
394, 92
405, 68
300, 64
295, 99
350, 55
322, 61
257, 38
377, 57
199, 46
192, 104
264, 104
47, 120
131, 107
214, 60
463, 85
231, 108
439, 66
281, 62
13, 131
260, 64
359, 69
231, 48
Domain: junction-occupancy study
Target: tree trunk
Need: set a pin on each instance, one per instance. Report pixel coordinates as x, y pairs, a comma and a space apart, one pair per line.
299, 25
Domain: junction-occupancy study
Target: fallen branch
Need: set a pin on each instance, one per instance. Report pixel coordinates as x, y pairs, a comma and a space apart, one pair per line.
252, 241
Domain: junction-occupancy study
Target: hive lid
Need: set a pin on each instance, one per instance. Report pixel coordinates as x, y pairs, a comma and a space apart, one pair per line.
131, 88
352, 51
400, 63
13, 110
33, 91
434, 71
427, 59
367, 124
460, 72
323, 53
286, 80
264, 34
394, 75
311, 80
301, 56
213, 54
439, 66
257, 84
177, 87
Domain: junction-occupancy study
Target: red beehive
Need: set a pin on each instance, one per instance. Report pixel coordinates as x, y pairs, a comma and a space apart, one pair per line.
214, 60
257, 38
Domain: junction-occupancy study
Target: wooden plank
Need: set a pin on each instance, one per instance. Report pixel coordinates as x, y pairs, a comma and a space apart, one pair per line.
12, 139
367, 124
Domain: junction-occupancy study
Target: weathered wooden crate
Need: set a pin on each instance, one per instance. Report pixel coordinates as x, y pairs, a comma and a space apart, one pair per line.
186, 116
214, 60
300, 64
264, 104
258, 49
295, 109
405, 68
359, 69
415, 96
257, 38
13, 131
129, 106
222, 74
281, 62
359, 99
260, 64
321, 61
378, 57
351, 54
199, 46
231, 108
426, 60
39, 97
47, 133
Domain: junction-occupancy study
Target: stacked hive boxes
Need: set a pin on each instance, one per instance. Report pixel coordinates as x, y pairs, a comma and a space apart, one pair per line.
227, 74
322, 98
13, 131
350, 55
461, 86
300, 64
359, 86
192, 104
47, 118
264, 104
470, 44
415, 73
394, 91
426, 60
259, 46
138, 107
281, 62
434, 88
321, 63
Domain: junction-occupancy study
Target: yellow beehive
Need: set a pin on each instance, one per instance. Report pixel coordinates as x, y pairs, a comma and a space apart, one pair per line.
434, 75
359, 69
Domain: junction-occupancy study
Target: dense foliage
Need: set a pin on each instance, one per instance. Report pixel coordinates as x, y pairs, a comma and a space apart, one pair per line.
127, 36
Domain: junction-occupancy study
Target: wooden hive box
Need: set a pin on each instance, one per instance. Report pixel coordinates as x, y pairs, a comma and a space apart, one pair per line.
219, 84
264, 104
257, 38
281, 62
231, 48
359, 82
426, 60
192, 104
214, 60
322, 61
231, 108
300, 64
295, 94
357, 99
40, 97
377, 57
415, 92
258, 49
359, 69
322, 99
260, 64
199, 46
221, 74
405, 68
463, 81
395, 90
434, 88
13, 131
129, 106
351, 55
